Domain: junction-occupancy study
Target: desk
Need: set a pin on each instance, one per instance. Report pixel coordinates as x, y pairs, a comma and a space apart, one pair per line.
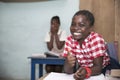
41, 61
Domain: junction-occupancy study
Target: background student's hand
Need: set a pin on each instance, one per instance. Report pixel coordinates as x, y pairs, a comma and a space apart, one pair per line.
71, 59
80, 74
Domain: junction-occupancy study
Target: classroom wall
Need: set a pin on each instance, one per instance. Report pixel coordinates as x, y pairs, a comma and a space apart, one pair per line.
22, 30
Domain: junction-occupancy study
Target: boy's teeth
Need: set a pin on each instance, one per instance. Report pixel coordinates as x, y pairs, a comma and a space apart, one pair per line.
77, 33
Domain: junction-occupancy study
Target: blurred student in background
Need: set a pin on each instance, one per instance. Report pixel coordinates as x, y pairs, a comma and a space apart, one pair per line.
55, 40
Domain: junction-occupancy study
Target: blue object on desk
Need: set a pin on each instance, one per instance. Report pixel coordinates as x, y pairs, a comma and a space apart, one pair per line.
41, 61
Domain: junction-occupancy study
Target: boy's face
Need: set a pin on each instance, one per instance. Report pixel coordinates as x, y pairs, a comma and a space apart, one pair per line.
80, 27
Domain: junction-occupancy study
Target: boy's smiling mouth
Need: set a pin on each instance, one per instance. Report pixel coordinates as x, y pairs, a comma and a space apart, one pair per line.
77, 33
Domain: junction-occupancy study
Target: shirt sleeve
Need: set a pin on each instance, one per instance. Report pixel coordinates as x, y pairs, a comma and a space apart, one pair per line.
99, 48
63, 36
47, 38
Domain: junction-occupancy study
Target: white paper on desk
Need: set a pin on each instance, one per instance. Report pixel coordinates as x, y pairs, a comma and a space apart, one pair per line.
97, 77
53, 53
64, 76
59, 76
39, 55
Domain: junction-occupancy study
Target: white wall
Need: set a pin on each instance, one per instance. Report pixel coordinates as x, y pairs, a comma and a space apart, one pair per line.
22, 30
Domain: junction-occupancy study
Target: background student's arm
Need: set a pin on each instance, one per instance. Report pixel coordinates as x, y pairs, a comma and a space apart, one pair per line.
50, 43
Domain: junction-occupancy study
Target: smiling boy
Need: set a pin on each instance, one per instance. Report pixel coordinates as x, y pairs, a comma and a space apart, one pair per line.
85, 47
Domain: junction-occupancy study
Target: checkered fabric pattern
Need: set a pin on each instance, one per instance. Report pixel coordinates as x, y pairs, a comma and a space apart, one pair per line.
92, 47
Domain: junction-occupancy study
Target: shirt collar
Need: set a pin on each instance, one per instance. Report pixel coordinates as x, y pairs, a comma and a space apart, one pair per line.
59, 31
89, 37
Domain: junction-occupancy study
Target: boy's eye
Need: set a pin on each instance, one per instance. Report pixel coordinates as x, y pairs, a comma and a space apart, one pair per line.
73, 24
78, 25
82, 25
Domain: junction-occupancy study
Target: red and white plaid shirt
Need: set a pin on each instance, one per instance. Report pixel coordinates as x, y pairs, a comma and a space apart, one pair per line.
92, 47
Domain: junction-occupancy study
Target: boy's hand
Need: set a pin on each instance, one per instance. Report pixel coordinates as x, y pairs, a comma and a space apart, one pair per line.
80, 74
71, 59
